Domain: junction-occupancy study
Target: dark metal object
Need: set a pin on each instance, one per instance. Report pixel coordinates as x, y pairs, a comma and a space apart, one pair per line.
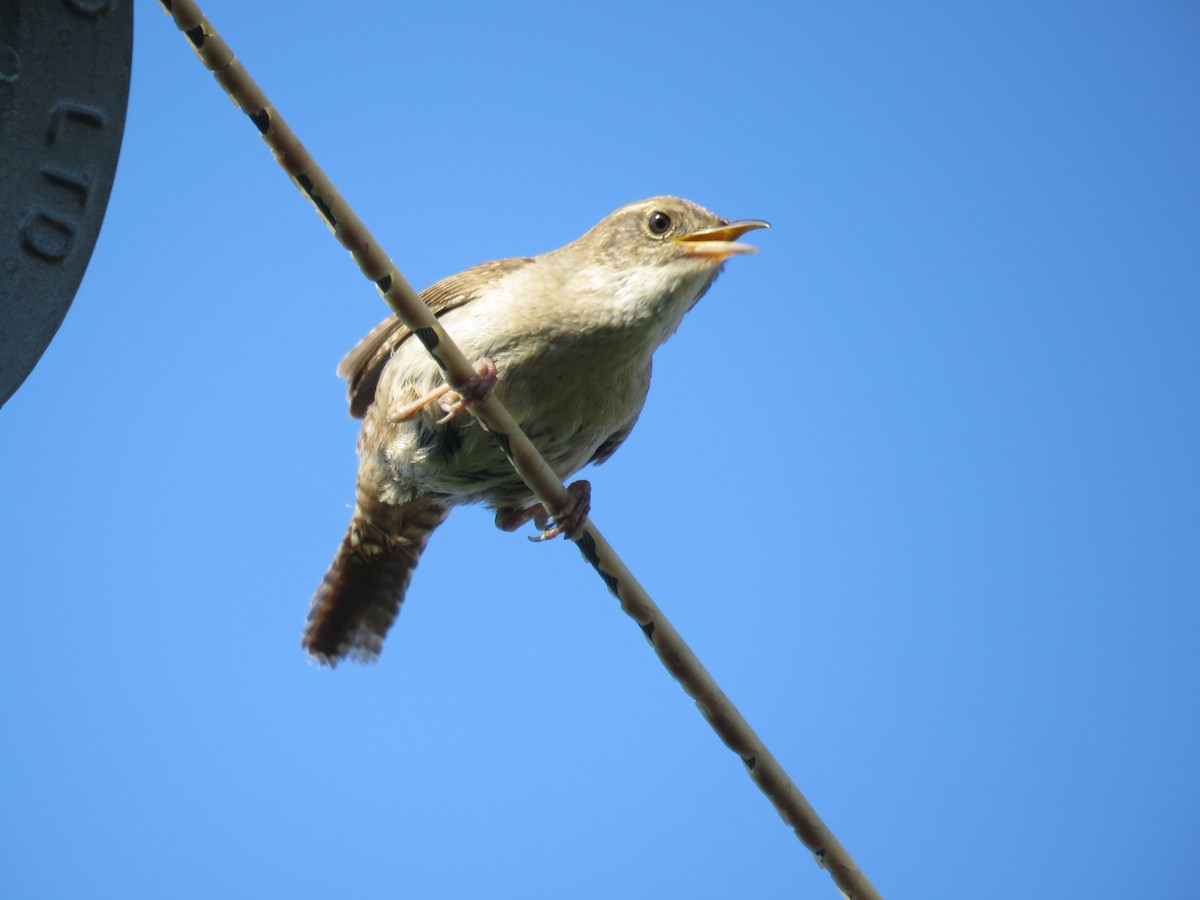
64, 85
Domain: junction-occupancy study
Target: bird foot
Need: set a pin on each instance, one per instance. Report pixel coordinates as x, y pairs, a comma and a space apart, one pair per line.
568, 522
452, 402
478, 389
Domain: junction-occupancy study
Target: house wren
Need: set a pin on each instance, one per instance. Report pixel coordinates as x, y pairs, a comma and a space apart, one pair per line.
565, 339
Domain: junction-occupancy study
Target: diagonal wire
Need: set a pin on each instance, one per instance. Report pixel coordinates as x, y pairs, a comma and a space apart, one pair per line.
678, 658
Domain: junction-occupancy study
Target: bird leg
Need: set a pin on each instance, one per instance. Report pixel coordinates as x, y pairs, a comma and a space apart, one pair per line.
453, 402
568, 522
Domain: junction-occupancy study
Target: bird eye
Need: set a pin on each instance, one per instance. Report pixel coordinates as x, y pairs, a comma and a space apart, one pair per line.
658, 222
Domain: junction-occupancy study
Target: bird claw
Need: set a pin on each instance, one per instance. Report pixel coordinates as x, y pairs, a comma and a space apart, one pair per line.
478, 389
453, 402
570, 518
568, 522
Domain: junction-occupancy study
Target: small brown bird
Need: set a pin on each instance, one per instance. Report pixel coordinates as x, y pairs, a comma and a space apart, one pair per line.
565, 339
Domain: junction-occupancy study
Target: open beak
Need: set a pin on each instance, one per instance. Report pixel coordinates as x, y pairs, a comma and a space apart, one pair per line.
721, 242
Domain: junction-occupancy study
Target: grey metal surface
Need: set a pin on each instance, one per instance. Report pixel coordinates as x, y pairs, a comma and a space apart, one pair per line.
64, 86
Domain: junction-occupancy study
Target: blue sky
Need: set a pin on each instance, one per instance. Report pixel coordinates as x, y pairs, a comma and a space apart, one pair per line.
918, 482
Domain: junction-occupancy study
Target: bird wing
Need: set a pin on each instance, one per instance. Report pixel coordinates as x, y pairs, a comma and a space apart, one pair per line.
363, 365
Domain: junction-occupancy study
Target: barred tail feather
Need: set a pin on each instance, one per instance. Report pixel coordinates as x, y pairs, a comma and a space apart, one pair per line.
361, 593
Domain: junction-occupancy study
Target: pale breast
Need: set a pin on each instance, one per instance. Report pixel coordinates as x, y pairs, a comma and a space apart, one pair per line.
568, 395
